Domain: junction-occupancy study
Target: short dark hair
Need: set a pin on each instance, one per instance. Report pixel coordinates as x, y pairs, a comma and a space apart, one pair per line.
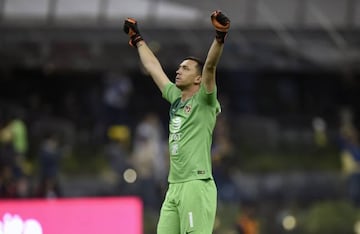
198, 61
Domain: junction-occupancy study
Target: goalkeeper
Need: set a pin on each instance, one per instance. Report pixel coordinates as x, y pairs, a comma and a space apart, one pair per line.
191, 199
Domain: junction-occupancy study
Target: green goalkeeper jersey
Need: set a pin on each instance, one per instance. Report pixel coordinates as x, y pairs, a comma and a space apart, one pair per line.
191, 127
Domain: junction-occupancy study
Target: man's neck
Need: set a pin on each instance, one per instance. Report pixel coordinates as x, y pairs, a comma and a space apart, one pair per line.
188, 93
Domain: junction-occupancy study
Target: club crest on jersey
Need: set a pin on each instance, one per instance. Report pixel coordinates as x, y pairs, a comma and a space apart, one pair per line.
187, 109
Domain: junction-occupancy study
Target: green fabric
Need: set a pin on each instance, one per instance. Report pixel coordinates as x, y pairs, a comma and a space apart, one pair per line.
191, 127
189, 207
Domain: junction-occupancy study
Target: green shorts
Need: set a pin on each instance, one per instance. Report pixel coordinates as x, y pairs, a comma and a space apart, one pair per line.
189, 207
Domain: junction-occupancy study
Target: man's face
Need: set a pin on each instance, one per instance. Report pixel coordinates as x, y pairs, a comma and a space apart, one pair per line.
187, 74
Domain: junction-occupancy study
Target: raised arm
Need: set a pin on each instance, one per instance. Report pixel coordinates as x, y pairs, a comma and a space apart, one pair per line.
221, 24
147, 57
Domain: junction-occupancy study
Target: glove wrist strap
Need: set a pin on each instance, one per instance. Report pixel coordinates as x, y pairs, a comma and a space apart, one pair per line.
220, 36
135, 39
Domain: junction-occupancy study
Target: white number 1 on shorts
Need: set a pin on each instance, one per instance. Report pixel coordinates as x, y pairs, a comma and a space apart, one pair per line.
191, 219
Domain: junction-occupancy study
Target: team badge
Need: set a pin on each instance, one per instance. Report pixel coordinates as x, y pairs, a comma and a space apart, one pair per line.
187, 109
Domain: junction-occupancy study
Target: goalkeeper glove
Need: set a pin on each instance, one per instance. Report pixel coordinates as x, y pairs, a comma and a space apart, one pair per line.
131, 29
221, 24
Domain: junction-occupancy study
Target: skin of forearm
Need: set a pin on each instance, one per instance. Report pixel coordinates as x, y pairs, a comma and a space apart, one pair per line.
147, 58
213, 56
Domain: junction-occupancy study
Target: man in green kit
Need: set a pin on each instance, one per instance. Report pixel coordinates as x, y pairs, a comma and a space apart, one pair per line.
190, 201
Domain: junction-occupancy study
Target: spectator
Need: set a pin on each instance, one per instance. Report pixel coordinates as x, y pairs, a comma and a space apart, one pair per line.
14, 142
50, 155
149, 159
117, 152
118, 89
350, 156
14, 133
222, 152
247, 222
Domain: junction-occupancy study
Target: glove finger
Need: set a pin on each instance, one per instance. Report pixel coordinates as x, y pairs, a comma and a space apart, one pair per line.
214, 14
126, 28
131, 21
131, 32
129, 26
222, 19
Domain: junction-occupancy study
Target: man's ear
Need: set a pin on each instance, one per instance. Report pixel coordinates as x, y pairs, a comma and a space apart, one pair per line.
198, 79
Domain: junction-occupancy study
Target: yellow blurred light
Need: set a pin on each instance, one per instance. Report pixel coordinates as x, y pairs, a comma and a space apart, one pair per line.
289, 222
119, 132
357, 227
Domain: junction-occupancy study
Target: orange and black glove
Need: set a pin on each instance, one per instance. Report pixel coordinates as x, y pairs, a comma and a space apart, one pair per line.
131, 29
221, 24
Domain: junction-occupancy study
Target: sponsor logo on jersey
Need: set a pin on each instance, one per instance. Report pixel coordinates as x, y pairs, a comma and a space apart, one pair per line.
175, 137
176, 124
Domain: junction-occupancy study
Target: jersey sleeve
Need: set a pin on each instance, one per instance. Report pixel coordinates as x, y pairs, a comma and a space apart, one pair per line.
209, 98
171, 92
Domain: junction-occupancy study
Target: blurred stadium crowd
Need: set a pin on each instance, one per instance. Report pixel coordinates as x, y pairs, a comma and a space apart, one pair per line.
105, 135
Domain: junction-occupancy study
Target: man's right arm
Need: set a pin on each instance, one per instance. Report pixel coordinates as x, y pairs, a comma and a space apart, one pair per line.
152, 65
147, 57
222, 25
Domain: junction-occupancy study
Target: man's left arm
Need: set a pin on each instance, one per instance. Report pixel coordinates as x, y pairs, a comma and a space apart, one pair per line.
221, 24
